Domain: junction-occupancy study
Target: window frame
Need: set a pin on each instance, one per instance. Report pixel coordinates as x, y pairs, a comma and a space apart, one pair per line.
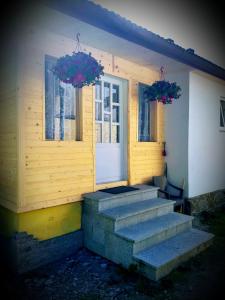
222, 99
78, 107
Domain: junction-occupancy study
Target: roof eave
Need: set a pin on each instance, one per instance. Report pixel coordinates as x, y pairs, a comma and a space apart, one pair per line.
108, 21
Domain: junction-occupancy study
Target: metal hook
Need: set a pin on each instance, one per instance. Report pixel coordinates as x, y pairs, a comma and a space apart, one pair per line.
78, 47
78, 38
162, 73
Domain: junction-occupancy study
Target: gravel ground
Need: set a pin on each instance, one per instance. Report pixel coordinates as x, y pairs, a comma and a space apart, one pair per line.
87, 276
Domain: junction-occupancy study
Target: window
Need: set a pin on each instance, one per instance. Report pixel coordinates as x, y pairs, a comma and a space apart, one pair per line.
62, 107
222, 114
107, 112
146, 116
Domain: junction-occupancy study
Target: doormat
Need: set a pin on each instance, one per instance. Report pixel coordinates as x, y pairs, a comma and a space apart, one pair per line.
119, 189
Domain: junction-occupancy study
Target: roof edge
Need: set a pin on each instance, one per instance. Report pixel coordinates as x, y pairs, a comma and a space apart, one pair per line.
115, 24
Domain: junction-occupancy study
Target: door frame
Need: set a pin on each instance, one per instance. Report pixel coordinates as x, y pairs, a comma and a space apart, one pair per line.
124, 83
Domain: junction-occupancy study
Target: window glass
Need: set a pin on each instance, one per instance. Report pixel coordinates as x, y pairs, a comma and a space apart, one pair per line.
115, 133
115, 93
98, 111
146, 116
222, 113
98, 91
107, 96
116, 113
98, 133
106, 128
62, 119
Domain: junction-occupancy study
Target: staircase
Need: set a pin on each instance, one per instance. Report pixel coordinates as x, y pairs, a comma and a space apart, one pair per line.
139, 228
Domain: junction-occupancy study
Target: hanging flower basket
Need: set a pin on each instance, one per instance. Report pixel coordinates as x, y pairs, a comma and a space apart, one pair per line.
163, 91
79, 69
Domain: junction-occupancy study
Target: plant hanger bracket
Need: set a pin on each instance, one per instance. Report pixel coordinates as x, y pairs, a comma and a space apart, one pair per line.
78, 45
162, 73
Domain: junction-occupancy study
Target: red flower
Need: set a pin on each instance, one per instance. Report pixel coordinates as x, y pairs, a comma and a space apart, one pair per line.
79, 77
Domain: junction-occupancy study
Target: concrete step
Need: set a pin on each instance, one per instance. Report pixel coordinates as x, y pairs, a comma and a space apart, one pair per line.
154, 231
157, 261
133, 213
100, 200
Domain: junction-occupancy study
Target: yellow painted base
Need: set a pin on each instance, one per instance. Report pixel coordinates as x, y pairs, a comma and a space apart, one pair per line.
42, 223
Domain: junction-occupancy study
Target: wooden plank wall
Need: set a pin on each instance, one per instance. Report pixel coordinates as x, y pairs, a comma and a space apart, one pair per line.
59, 172
8, 125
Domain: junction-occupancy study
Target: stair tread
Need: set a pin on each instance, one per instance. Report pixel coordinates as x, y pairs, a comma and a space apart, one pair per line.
135, 208
168, 250
151, 227
101, 196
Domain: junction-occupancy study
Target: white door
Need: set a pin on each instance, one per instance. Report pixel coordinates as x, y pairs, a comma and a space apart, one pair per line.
110, 122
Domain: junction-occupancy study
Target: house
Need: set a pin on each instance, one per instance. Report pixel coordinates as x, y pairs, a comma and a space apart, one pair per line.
46, 169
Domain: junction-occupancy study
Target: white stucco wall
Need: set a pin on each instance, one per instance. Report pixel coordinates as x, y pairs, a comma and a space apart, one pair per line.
176, 132
195, 144
206, 161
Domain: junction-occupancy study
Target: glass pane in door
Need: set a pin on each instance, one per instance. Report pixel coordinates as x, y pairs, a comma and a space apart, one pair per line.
116, 111
98, 132
115, 93
115, 133
107, 106
98, 111
98, 91
106, 128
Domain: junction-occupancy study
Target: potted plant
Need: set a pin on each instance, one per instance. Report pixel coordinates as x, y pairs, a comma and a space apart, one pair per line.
163, 91
79, 69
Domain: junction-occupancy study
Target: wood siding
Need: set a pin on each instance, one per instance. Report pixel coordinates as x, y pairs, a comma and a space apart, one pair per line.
8, 126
